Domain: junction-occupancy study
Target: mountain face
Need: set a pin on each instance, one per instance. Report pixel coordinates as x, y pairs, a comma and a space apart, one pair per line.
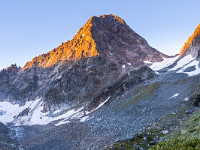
192, 45
77, 71
106, 36
104, 85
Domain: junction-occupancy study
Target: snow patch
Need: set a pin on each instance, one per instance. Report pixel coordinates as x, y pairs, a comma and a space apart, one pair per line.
165, 131
186, 99
165, 63
147, 62
123, 66
100, 105
36, 116
84, 119
62, 122
9, 111
56, 112
175, 95
71, 114
182, 62
194, 63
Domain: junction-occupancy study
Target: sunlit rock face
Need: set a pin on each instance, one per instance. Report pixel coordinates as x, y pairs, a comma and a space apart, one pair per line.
192, 45
82, 45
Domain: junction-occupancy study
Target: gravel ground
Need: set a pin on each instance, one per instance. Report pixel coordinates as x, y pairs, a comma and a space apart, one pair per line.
120, 118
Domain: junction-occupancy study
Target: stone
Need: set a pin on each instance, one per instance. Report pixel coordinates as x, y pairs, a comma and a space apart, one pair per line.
189, 111
165, 131
183, 132
23, 113
160, 140
190, 69
152, 142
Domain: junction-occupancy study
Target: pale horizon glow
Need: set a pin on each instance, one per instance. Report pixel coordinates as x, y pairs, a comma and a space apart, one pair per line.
31, 28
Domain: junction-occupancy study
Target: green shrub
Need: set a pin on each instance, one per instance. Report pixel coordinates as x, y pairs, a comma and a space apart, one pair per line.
180, 143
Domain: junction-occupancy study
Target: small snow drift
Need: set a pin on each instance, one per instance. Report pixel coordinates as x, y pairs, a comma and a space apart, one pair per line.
175, 95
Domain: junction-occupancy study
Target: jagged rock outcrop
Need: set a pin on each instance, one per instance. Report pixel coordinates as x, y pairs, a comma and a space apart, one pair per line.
102, 51
10, 71
7, 76
192, 45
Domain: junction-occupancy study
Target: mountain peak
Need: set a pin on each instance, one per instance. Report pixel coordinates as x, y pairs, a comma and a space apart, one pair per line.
191, 42
112, 18
109, 17
107, 36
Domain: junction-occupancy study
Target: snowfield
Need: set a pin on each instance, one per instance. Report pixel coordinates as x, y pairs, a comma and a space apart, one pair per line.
184, 65
196, 71
35, 116
165, 63
182, 62
8, 111
11, 113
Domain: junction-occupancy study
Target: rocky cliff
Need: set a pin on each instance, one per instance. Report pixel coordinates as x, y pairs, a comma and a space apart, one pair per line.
192, 45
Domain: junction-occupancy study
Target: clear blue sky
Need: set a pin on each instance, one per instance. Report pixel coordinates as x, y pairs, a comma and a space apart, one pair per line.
29, 28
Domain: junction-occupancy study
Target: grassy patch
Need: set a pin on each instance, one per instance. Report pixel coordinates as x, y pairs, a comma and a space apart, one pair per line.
197, 92
142, 93
185, 80
180, 143
186, 137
